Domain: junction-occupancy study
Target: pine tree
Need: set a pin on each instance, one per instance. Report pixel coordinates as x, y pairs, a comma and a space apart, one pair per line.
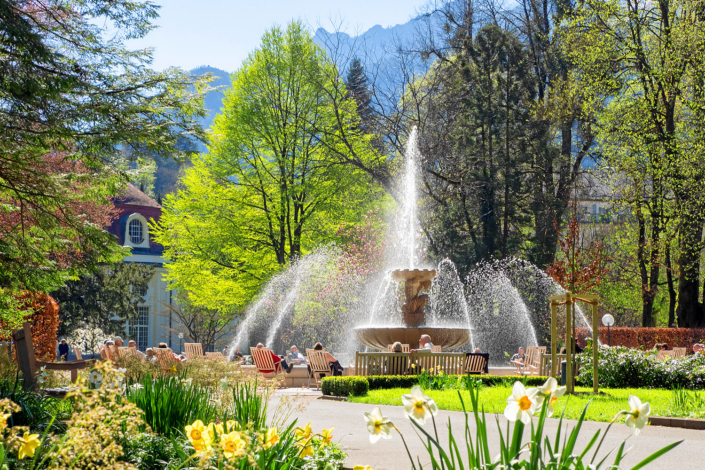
358, 89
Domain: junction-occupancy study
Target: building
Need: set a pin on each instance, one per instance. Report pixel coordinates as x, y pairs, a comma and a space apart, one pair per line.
135, 211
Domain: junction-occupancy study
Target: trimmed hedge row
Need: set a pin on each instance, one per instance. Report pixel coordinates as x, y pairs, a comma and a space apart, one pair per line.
354, 385
645, 337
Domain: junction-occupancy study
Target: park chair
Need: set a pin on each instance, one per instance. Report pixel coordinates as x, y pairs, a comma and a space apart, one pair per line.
404, 348
193, 350
265, 363
532, 359
29, 365
398, 364
318, 363
215, 356
679, 353
475, 363
436, 349
165, 358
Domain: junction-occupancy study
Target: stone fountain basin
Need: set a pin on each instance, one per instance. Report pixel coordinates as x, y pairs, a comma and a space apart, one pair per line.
380, 337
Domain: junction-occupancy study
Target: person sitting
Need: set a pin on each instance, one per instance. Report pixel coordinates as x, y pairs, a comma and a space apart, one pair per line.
133, 344
105, 351
335, 367
279, 362
425, 344
225, 351
63, 350
518, 360
150, 356
166, 346
397, 347
295, 357
477, 351
118, 341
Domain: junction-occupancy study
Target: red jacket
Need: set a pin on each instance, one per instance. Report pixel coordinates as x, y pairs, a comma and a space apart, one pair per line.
277, 363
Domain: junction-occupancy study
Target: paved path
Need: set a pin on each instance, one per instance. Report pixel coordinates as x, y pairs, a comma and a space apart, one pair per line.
350, 431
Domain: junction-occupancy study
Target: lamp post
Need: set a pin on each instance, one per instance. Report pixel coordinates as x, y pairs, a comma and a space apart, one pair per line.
181, 337
608, 320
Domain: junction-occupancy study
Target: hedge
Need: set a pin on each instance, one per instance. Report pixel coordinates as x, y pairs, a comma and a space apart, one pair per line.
645, 338
342, 386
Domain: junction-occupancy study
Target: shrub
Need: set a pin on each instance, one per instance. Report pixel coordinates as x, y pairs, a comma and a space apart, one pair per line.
336, 386
645, 337
169, 404
621, 367
344, 386
148, 451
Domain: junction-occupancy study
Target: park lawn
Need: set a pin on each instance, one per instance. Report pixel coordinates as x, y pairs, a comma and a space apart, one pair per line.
494, 400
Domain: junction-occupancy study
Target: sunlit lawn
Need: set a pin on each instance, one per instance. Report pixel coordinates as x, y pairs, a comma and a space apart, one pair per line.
602, 407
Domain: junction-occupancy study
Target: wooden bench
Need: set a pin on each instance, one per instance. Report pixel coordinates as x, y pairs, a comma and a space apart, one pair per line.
386, 363
532, 360
193, 350
476, 363
679, 353
29, 365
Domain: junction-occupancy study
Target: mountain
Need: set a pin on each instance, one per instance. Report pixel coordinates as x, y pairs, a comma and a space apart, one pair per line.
214, 99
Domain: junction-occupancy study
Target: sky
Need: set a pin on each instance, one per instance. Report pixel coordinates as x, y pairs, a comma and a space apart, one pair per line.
221, 33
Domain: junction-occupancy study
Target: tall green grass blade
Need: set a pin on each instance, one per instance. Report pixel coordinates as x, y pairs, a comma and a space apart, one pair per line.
655, 455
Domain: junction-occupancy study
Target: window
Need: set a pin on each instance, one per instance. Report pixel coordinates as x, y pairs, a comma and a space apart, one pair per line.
140, 329
136, 232
141, 291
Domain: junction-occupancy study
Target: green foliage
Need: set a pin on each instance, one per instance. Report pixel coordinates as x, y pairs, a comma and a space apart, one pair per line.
62, 151
94, 300
330, 457
148, 451
248, 405
169, 404
271, 186
628, 367
344, 386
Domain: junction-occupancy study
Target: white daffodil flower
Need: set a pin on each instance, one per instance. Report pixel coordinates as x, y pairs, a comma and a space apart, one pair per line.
521, 404
418, 406
639, 414
551, 391
378, 425
95, 377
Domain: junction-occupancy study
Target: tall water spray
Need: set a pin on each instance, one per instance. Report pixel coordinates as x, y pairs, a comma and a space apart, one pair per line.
407, 223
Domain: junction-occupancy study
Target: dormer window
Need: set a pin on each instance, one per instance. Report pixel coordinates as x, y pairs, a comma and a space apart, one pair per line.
136, 232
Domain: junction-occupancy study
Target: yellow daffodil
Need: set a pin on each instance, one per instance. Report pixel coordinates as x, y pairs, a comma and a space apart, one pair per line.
305, 432
232, 425
418, 406
639, 414
198, 435
326, 437
271, 438
362, 467
521, 404
306, 449
233, 444
378, 425
28, 444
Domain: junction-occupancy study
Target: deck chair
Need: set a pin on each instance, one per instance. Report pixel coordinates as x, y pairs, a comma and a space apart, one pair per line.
29, 365
404, 348
193, 351
165, 358
679, 353
436, 349
215, 356
264, 362
319, 366
77, 352
532, 359
475, 363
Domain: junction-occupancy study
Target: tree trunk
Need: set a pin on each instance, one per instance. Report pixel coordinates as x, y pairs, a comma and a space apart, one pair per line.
689, 310
671, 289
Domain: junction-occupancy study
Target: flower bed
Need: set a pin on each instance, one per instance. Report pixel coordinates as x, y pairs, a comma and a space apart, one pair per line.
621, 367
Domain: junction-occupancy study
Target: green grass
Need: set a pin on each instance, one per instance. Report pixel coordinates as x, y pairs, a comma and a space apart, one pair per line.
602, 408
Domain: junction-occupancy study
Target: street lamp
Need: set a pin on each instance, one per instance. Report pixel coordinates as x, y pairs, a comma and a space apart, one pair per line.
181, 337
608, 320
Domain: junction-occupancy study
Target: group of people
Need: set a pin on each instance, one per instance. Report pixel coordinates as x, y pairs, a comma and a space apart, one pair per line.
294, 357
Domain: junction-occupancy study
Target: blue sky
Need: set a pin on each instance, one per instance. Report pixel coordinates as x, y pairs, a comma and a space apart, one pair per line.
221, 33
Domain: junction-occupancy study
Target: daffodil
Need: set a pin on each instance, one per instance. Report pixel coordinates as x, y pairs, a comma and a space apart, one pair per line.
3, 420
28, 444
550, 391
521, 404
362, 467
307, 449
326, 437
232, 425
639, 414
95, 378
233, 444
198, 435
378, 425
305, 432
418, 406
271, 438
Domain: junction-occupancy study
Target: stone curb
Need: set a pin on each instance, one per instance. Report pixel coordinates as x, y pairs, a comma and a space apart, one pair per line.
332, 398
686, 423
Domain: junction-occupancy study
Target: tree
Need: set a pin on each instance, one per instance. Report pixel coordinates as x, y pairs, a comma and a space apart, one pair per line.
641, 68
199, 324
105, 299
272, 185
71, 91
356, 81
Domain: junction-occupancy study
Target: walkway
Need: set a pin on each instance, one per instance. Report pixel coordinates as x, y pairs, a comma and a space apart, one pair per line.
350, 431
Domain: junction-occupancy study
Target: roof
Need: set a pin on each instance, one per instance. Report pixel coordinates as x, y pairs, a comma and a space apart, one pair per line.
133, 196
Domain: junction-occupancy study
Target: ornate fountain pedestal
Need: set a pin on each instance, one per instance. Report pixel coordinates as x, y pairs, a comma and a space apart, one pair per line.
414, 317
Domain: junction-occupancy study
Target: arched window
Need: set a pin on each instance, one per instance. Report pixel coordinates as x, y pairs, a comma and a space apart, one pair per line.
136, 231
